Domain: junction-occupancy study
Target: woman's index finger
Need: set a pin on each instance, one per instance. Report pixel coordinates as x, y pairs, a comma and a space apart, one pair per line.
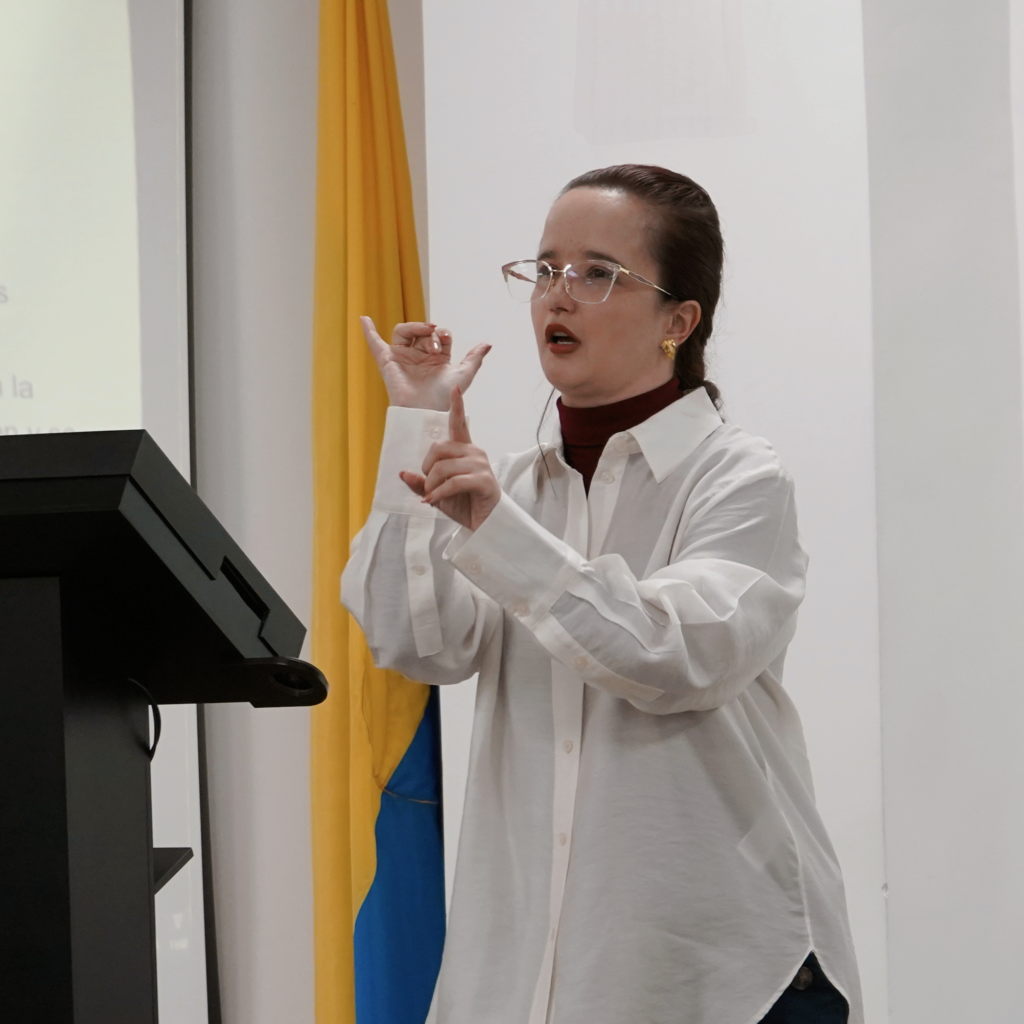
458, 428
408, 333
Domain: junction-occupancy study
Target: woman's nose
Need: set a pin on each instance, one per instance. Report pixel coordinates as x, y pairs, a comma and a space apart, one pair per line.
558, 294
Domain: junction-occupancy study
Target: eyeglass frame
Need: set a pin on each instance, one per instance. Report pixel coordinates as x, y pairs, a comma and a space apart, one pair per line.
618, 269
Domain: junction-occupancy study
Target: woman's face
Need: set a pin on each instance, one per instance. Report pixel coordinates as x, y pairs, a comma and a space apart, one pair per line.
597, 353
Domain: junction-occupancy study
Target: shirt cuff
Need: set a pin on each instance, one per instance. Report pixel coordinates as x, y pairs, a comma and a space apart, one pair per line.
408, 435
513, 559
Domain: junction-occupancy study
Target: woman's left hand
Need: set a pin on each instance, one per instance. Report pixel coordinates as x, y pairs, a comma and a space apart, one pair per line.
457, 476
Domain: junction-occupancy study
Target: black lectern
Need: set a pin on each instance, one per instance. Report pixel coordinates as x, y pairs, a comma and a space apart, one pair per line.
117, 586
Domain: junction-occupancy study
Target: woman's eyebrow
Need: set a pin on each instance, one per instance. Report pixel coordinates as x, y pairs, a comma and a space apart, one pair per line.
592, 255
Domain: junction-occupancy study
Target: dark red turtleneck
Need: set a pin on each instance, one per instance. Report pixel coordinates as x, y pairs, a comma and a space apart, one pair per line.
585, 432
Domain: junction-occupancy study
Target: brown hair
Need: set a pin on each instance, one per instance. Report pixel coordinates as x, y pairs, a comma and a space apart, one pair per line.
687, 246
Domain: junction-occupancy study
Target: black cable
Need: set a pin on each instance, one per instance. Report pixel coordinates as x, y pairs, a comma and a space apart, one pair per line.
155, 708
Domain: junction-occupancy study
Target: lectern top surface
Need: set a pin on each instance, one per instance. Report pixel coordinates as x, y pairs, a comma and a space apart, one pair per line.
72, 502
81, 453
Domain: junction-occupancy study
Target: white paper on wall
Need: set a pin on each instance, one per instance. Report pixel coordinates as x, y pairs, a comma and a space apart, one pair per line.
660, 69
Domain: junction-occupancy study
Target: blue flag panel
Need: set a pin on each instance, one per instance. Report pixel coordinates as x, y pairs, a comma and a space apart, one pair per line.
400, 928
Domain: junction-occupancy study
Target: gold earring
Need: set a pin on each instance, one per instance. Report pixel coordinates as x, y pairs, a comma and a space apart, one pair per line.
668, 346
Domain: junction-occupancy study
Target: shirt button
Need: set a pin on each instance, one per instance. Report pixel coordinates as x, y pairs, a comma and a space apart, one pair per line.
562, 839
473, 566
607, 476
803, 980
522, 608
419, 569
567, 746
434, 432
580, 662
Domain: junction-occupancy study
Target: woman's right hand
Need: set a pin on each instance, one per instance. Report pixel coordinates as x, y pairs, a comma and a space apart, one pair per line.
417, 365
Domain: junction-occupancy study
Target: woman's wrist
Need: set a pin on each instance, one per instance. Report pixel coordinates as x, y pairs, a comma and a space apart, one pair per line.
417, 402
433, 395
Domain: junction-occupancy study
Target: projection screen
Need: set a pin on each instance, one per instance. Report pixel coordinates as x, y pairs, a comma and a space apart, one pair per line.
94, 313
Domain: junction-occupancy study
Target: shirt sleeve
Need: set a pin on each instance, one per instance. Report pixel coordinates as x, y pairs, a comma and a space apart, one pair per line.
419, 616
693, 635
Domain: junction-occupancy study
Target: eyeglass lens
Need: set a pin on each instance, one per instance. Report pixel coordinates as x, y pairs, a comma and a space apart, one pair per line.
591, 281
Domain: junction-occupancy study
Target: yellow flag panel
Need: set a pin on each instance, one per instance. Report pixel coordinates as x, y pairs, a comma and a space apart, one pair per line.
366, 263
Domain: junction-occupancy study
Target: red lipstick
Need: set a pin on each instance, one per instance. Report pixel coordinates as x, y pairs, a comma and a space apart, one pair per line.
560, 339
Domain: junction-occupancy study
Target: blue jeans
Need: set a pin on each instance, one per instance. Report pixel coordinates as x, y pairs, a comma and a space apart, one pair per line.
820, 1002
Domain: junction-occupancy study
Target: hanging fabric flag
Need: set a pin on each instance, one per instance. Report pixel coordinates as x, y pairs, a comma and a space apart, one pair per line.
377, 854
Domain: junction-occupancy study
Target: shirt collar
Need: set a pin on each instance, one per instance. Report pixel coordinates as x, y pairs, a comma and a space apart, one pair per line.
665, 439
672, 435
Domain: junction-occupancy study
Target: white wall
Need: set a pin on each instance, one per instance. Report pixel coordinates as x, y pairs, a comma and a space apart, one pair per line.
762, 101
950, 497
406, 17
158, 80
254, 181
784, 153
254, 178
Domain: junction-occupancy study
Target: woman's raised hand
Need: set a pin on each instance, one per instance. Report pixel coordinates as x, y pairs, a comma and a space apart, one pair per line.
417, 365
457, 476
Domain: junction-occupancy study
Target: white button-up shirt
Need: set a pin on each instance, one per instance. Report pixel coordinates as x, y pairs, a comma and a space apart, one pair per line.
640, 842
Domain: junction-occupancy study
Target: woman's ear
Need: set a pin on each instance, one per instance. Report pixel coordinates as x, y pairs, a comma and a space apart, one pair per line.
684, 321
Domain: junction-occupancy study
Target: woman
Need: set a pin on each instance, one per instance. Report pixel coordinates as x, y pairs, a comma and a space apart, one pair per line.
640, 843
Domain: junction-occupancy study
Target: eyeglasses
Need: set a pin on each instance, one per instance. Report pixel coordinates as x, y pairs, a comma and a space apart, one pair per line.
590, 281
